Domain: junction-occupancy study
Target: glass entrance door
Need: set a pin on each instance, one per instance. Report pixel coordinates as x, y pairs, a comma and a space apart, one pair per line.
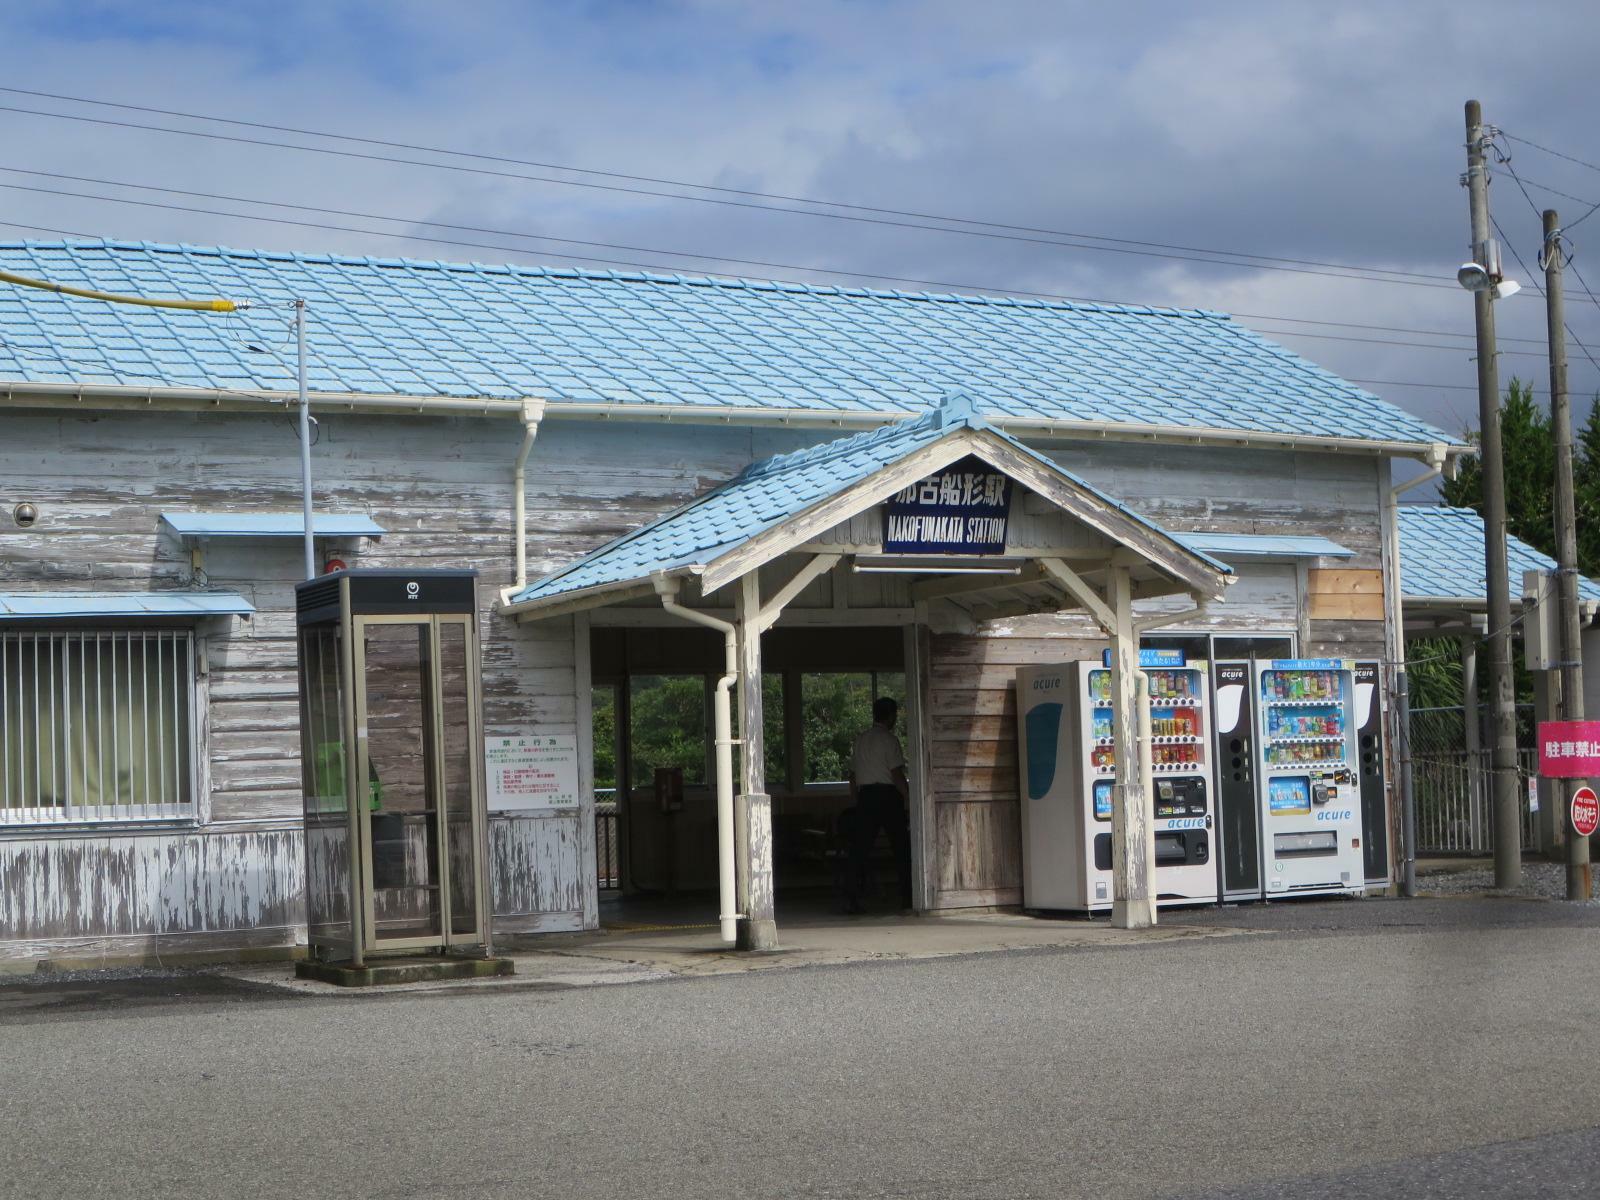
421, 844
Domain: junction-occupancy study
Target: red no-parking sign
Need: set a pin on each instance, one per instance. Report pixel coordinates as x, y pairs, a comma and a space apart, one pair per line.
1585, 811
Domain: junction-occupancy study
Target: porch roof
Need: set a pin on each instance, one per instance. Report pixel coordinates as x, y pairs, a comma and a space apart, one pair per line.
1441, 560
702, 536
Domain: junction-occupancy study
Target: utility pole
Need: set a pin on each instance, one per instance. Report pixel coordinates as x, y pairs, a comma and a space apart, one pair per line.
1502, 699
1571, 665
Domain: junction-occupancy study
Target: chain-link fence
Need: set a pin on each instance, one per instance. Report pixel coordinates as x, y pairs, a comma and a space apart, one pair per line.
1451, 785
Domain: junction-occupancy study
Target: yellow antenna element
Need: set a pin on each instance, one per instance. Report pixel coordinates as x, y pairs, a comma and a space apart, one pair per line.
113, 298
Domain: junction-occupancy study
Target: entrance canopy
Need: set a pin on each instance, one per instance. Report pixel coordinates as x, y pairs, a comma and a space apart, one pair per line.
814, 499
948, 519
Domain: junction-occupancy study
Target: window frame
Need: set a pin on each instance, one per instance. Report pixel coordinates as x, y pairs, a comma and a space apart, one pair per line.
188, 778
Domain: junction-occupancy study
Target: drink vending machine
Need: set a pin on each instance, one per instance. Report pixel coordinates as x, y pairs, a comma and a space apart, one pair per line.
1374, 784
1069, 778
1306, 761
1237, 844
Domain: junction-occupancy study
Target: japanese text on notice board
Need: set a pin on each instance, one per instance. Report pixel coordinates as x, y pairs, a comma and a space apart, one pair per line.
531, 772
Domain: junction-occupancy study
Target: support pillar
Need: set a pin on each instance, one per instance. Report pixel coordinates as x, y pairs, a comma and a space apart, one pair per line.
758, 927
1472, 731
1132, 848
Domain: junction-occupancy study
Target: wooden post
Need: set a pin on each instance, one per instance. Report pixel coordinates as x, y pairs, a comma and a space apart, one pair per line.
758, 928
583, 688
1133, 903
920, 814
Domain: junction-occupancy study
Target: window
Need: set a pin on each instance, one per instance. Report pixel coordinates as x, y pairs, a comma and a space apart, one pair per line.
668, 719
837, 705
96, 725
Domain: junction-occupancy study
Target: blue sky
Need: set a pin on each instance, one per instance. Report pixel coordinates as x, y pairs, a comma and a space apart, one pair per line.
1297, 130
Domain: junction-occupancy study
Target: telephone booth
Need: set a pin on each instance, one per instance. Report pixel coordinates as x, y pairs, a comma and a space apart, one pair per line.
396, 832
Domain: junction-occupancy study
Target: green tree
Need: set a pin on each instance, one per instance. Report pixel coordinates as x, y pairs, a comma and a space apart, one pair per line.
1586, 486
1530, 470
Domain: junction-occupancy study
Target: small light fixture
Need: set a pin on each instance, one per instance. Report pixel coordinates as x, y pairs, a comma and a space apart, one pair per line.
1483, 273
25, 515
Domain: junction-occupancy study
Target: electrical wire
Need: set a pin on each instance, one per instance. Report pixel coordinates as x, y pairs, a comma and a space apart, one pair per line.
489, 230
1505, 161
1508, 136
1006, 231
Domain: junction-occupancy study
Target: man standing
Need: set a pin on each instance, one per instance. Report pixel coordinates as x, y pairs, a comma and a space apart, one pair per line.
879, 794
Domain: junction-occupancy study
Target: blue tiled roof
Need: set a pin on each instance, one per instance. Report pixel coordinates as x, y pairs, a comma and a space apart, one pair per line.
397, 326
769, 492
1441, 556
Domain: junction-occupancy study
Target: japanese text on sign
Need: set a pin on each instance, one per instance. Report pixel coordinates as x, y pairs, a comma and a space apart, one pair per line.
1569, 749
963, 509
531, 772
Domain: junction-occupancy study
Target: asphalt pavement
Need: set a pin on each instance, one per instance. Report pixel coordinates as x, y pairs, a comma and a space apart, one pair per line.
1424, 1048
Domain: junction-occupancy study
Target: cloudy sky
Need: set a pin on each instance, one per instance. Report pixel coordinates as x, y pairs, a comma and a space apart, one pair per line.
1327, 134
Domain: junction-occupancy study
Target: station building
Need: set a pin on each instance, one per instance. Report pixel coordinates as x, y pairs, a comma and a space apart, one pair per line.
648, 472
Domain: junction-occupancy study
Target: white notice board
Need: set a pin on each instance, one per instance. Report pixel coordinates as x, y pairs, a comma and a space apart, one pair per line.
532, 772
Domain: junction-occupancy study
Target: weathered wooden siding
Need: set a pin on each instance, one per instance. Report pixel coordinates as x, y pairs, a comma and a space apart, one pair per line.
142, 893
441, 486
442, 489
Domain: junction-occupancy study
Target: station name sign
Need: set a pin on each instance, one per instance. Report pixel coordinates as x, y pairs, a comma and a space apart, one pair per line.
963, 509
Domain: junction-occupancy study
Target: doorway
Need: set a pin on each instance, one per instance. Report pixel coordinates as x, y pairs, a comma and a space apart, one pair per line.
654, 762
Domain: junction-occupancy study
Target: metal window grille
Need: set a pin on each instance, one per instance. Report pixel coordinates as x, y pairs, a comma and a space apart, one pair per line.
96, 725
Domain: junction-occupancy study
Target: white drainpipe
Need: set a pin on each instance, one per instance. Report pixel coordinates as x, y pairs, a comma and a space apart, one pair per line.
722, 709
532, 414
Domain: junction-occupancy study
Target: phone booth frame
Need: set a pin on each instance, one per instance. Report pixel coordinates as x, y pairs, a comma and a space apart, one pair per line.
391, 714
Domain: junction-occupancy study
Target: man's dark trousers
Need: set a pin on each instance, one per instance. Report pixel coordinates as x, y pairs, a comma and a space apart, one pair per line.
879, 806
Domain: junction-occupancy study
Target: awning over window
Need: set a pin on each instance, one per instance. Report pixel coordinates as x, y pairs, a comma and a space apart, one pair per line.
1228, 546
42, 606
269, 525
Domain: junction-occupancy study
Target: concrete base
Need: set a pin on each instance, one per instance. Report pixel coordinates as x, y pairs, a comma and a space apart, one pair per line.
761, 934
403, 970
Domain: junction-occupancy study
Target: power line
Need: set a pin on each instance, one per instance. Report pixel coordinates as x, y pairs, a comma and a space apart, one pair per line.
980, 224
122, 183
1506, 161
1261, 263
480, 245
1514, 138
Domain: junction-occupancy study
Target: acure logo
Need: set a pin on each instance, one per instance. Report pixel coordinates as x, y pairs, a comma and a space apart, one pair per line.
1335, 814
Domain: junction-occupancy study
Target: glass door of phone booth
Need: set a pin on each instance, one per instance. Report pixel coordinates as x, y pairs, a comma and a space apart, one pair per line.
396, 842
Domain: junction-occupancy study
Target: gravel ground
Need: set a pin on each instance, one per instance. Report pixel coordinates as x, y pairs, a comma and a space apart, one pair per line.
1540, 881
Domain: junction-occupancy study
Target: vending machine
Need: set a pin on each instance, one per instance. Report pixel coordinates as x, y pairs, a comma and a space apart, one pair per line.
1374, 783
1069, 780
1306, 759
1236, 845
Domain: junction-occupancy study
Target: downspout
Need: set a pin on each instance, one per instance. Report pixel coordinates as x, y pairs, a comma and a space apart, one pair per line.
532, 414
1399, 686
722, 708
